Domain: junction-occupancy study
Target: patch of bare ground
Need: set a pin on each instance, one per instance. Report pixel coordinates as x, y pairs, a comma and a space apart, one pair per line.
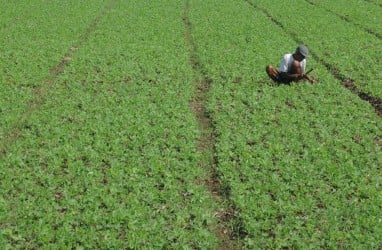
374, 101
206, 144
41, 91
378, 141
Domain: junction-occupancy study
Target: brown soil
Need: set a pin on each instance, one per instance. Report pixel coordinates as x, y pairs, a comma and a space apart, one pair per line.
206, 142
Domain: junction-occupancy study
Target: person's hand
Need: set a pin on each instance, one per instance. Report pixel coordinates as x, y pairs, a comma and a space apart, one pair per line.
310, 79
303, 76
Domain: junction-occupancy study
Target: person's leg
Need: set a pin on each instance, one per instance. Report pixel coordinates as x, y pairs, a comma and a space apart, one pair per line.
272, 72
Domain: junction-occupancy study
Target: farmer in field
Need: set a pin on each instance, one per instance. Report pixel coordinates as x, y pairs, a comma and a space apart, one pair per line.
292, 67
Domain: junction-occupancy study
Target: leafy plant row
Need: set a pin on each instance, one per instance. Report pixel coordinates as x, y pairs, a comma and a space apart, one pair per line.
376, 2
301, 162
109, 160
361, 13
349, 49
34, 40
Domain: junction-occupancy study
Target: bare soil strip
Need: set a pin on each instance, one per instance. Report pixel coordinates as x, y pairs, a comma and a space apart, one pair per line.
206, 142
42, 91
348, 20
347, 82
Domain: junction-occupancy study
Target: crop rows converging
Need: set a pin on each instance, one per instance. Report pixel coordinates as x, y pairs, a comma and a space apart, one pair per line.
33, 39
302, 162
152, 124
348, 50
109, 159
358, 13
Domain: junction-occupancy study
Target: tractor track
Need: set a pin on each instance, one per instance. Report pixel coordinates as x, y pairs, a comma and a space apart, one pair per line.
347, 82
348, 20
206, 143
41, 92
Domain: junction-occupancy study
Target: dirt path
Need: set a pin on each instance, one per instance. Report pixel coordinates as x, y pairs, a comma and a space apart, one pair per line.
42, 91
207, 140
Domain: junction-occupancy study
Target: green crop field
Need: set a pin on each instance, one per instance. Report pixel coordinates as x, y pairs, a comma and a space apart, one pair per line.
152, 124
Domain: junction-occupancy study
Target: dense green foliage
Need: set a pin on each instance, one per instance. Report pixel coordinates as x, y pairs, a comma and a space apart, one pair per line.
34, 37
351, 50
104, 153
301, 161
109, 159
365, 15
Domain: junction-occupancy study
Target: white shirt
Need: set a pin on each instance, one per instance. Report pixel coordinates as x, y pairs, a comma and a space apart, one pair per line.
287, 61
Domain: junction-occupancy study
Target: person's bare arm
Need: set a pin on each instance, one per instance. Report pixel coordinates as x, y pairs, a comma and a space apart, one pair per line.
296, 77
309, 78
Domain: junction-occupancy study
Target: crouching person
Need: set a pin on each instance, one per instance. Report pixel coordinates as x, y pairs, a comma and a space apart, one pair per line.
292, 67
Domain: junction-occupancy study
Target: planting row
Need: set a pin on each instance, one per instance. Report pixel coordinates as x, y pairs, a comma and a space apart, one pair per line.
375, 2
360, 13
301, 162
349, 50
109, 159
34, 39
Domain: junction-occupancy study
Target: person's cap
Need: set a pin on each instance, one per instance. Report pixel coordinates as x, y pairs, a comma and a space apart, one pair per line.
303, 50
